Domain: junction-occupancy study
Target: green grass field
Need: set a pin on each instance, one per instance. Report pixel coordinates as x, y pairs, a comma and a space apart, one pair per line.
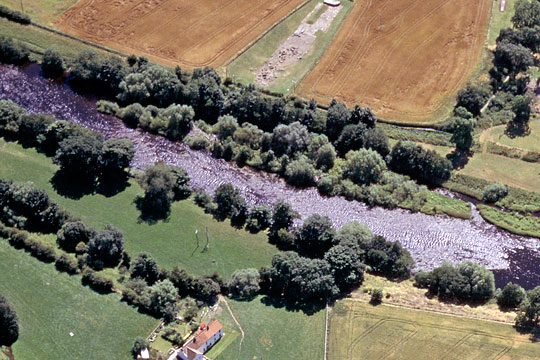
500, 20
273, 333
512, 172
170, 242
243, 68
42, 11
361, 331
529, 142
50, 305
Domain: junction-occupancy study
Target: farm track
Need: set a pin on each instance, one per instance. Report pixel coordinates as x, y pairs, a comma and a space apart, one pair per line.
404, 59
176, 32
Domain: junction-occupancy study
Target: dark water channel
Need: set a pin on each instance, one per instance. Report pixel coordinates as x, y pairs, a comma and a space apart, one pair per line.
430, 239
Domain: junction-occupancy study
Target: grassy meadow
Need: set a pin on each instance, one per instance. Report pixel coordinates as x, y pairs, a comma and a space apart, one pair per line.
530, 142
362, 331
273, 333
51, 304
244, 67
42, 11
171, 242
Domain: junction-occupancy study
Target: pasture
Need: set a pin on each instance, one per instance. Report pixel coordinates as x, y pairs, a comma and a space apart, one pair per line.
51, 305
190, 33
362, 331
42, 11
171, 242
404, 59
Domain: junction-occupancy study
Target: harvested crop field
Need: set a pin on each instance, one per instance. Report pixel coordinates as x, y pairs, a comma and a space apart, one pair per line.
362, 331
406, 59
189, 33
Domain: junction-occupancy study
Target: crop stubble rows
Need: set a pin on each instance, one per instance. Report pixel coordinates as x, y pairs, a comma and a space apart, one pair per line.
359, 331
189, 33
402, 58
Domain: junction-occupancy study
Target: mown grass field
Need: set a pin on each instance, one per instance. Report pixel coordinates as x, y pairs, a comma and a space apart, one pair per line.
244, 67
50, 305
499, 20
512, 172
273, 333
529, 142
361, 331
170, 242
42, 11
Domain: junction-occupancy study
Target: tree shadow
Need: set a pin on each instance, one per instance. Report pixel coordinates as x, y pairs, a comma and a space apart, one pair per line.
111, 184
72, 185
459, 158
150, 214
308, 308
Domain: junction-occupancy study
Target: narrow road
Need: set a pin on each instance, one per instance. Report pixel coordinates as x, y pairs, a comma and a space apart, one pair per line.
222, 299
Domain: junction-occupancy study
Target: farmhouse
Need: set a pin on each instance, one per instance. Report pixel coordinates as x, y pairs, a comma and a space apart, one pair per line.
203, 340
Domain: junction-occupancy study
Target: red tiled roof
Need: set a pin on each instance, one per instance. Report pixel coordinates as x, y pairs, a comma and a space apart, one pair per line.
203, 336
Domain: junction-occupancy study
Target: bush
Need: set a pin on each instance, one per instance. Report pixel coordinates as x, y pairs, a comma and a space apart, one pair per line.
327, 185
198, 142
9, 323
300, 173
108, 107
12, 52
494, 192
67, 264
244, 283
422, 279
52, 64
364, 166
14, 15
138, 345
97, 282
41, 251
511, 296
259, 218
376, 296
131, 114
72, 234
204, 201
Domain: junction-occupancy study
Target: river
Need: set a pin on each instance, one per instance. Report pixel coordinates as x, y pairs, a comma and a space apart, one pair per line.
430, 239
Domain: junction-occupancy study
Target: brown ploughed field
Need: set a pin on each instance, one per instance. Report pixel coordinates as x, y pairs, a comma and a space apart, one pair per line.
186, 32
406, 59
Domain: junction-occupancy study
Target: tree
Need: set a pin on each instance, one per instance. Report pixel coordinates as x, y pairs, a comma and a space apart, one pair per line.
52, 64
225, 127
229, 202
105, 248
205, 95
72, 233
300, 173
146, 268
337, 117
511, 296
10, 117
326, 157
364, 166
521, 107
179, 119
259, 218
93, 73
472, 98
376, 139
162, 295
354, 234
513, 57
158, 183
131, 114
346, 266
116, 156
244, 283
33, 127
290, 139
182, 184
9, 323
462, 135
139, 344
12, 52
283, 216
315, 236
79, 156
527, 14
352, 138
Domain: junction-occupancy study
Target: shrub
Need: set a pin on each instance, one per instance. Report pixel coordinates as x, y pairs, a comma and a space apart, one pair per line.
244, 283
364, 166
41, 251
198, 142
204, 201
67, 264
494, 192
300, 173
97, 282
14, 15
108, 107
422, 279
131, 114
376, 296
138, 345
511, 296
52, 64
258, 218
72, 234
12, 52
327, 185
9, 323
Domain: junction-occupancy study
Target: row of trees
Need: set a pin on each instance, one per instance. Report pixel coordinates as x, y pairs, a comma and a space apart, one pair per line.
9, 323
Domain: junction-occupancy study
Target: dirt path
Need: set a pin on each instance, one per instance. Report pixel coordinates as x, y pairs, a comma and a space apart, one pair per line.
222, 299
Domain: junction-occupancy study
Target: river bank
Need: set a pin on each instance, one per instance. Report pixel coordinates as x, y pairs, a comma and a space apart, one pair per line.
430, 239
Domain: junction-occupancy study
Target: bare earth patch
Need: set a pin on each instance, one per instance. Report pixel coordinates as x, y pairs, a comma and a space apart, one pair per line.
296, 46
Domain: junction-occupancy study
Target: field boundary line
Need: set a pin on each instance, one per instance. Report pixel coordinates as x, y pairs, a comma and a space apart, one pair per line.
434, 311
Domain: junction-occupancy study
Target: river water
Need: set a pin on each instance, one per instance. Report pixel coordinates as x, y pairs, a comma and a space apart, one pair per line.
430, 239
